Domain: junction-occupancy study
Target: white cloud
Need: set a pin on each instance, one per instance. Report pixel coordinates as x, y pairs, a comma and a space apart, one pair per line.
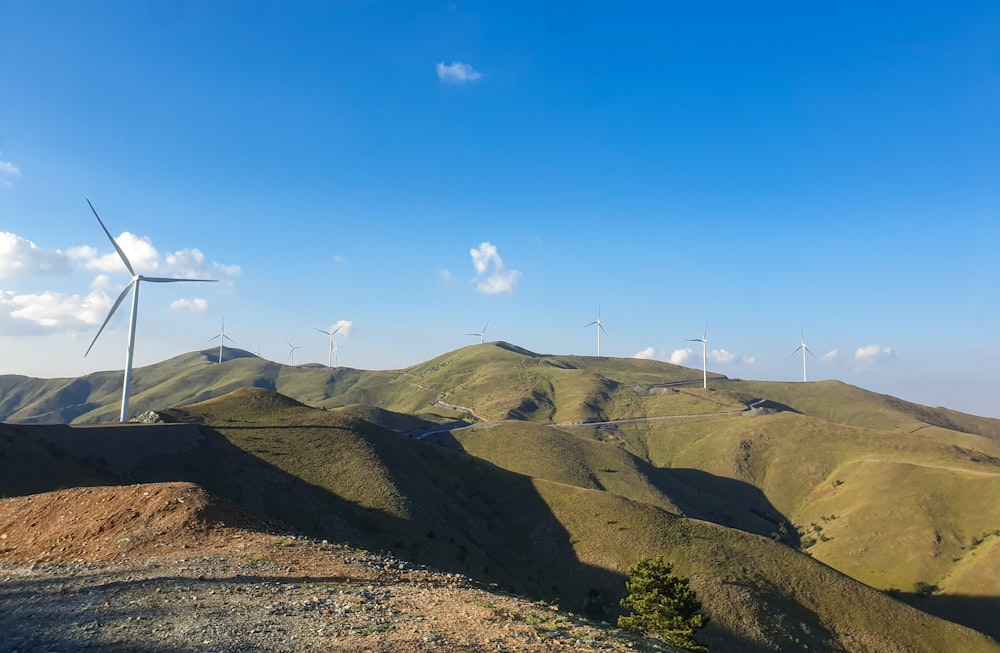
457, 73
446, 276
873, 352
345, 327
722, 356
830, 355
196, 305
681, 356
52, 310
647, 353
20, 257
492, 276
185, 263
8, 169
749, 360
139, 250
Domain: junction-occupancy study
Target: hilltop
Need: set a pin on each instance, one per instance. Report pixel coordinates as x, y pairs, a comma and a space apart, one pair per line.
551, 474
438, 501
168, 566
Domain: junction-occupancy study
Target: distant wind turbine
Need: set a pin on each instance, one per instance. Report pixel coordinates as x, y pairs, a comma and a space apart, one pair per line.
291, 352
482, 334
133, 285
222, 337
805, 350
333, 343
600, 327
704, 355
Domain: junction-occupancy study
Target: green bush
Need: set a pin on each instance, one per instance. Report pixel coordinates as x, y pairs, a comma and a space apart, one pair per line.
662, 605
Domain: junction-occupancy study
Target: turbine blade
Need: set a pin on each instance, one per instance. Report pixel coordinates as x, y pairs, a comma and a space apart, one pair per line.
114, 308
705, 335
212, 338
796, 350
113, 242
320, 330
587, 325
601, 327
337, 329
172, 279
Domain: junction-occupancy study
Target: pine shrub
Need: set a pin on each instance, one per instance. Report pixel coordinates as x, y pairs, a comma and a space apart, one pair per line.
662, 605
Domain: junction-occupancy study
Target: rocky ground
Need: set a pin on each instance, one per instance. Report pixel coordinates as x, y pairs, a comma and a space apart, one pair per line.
167, 567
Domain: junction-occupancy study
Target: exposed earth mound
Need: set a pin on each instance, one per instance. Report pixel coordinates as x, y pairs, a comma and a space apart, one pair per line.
169, 567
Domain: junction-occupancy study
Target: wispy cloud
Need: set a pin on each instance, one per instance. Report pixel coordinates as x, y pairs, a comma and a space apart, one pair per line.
873, 352
492, 276
145, 258
41, 312
681, 356
749, 360
457, 73
20, 257
645, 354
196, 305
345, 327
7, 171
830, 355
721, 356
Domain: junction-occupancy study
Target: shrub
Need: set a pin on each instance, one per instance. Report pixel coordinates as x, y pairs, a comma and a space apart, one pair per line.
662, 605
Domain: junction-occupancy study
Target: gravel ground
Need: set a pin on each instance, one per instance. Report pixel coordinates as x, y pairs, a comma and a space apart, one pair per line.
161, 578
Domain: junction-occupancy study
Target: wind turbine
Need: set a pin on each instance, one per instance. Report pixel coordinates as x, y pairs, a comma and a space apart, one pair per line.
704, 355
600, 327
481, 334
805, 350
291, 352
222, 339
133, 285
333, 343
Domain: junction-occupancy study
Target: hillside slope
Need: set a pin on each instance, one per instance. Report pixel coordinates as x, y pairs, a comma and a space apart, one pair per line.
355, 480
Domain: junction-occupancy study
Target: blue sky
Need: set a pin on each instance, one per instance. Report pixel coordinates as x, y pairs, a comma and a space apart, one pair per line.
417, 169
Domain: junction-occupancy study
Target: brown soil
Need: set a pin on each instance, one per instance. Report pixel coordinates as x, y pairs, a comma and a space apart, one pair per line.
169, 567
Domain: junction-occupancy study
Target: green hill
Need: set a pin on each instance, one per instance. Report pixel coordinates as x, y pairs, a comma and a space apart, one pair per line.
899, 496
342, 474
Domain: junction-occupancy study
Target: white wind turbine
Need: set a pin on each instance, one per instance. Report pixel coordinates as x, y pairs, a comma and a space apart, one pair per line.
222, 339
291, 352
333, 343
805, 350
704, 355
600, 327
133, 285
482, 334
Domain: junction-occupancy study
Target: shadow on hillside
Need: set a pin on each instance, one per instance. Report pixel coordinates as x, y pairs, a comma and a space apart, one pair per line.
725, 501
466, 515
976, 612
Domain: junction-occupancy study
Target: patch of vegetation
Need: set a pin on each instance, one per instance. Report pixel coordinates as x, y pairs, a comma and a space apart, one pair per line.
662, 605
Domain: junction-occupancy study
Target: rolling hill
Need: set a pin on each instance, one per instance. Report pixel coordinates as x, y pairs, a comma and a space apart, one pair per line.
899, 496
342, 474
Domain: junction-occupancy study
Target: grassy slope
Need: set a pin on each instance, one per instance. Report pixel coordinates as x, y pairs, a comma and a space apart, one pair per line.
551, 539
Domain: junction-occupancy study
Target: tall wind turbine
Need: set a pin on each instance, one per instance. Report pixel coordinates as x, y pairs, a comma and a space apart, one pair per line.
482, 334
600, 327
133, 285
805, 350
704, 355
222, 339
291, 352
333, 343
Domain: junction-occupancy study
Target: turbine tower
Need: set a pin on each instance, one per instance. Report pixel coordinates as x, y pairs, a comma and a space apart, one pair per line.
222, 339
805, 350
482, 334
600, 327
291, 352
133, 286
704, 355
333, 343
